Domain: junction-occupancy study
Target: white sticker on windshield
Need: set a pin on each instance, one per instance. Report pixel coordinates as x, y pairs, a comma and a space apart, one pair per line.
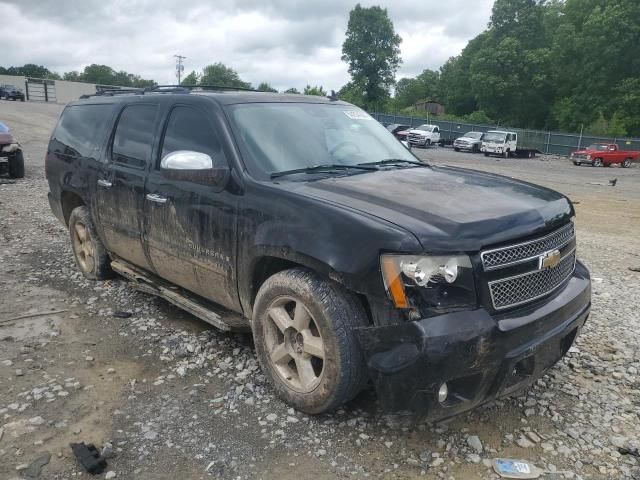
357, 115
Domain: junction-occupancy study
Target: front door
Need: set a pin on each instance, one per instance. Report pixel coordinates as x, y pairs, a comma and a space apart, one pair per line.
190, 228
120, 189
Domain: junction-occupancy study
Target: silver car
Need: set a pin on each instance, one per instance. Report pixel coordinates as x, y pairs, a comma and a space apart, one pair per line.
470, 141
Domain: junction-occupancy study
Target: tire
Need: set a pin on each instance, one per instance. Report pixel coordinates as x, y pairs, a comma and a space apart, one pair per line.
456, 149
427, 144
577, 164
331, 314
506, 154
16, 165
486, 154
597, 162
626, 163
90, 254
475, 149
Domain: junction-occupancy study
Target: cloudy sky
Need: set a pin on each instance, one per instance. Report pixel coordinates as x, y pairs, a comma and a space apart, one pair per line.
284, 42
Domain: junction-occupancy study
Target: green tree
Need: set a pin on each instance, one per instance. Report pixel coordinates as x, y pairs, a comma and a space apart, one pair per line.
315, 90
425, 86
191, 79
352, 93
291, 90
372, 50
265, 87
30, 70
220, 75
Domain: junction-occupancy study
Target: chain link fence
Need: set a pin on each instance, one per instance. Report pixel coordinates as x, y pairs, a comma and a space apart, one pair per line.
555, 143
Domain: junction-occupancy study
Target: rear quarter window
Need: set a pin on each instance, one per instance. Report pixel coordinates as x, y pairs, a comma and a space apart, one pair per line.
81, 130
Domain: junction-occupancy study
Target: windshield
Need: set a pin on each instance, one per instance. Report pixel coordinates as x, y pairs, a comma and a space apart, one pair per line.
494, 137
425, 128
3, 128
597, 146
277, 137
474, 135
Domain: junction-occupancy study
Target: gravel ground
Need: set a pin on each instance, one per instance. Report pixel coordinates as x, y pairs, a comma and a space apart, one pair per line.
166, 396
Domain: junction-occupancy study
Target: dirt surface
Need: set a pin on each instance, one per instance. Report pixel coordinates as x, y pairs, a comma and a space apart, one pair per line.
171, 398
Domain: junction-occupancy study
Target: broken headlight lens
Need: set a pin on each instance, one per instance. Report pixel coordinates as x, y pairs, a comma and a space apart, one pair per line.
430, 285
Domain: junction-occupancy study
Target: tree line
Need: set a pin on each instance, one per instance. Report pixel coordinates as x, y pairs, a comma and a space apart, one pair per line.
545, 64
99, 74
548, 64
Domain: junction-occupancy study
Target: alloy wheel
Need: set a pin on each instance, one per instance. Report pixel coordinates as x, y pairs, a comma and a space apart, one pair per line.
294, 344
83, 247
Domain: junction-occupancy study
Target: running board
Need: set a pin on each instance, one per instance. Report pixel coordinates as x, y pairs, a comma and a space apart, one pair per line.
210, 313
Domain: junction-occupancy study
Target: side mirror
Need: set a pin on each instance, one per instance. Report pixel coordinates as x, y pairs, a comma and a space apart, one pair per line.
195, 167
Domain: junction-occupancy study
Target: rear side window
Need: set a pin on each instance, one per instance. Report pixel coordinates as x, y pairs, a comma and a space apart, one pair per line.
190, 129
81, 130
133, 140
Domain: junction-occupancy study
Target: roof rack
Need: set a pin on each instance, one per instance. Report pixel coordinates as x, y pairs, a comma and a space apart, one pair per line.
183, 88
109, 92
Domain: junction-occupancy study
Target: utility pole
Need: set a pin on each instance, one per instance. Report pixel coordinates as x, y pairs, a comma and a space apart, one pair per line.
179, 66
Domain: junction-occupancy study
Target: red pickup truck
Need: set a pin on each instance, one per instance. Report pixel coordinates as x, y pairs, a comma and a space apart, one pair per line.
599, 154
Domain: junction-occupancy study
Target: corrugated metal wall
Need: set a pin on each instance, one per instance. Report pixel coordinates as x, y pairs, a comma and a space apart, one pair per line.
556, 143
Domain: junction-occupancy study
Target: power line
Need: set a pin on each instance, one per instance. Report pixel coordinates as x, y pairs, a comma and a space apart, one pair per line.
179, 66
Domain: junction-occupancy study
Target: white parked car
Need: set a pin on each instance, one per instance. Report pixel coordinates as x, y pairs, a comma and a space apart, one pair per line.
424, 135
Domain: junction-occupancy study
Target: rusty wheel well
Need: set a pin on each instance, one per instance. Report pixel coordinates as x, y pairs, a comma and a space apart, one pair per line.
268, 266
70, 201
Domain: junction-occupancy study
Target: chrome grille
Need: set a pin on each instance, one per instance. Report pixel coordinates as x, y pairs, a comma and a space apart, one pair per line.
523, 252
513, 291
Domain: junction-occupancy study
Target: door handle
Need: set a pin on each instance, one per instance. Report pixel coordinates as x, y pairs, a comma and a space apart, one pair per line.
104, 183
152, 197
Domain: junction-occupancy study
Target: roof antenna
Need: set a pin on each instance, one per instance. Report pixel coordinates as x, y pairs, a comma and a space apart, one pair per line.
334, 96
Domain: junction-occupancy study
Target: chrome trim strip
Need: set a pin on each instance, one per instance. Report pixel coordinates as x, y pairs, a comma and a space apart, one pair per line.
511, 305
517, 245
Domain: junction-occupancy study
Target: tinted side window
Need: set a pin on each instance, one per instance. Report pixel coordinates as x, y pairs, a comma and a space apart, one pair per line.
133, 140
81, 130
189, 129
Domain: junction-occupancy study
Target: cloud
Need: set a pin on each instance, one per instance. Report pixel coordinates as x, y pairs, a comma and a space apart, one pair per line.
288, 43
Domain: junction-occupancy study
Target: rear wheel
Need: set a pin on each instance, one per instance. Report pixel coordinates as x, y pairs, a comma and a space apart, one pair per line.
16, 165
90, 254
303, 329
597, 162
626, 163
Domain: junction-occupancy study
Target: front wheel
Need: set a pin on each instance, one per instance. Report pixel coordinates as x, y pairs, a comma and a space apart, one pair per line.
303, 330
456, 149
597, 162
577, 164
90, 254
626, 163
506, 154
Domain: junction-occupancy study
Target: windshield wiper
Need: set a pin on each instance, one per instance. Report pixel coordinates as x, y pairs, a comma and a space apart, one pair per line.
392, 161
323, 168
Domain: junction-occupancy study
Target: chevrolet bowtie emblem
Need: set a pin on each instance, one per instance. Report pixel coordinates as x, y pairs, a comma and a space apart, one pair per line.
549, 259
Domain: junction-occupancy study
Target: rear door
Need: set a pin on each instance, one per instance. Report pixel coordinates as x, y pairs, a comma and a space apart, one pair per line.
120, 185
190, 228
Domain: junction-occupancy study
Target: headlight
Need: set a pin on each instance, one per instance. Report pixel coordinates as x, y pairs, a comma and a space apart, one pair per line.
12, 147
430, 285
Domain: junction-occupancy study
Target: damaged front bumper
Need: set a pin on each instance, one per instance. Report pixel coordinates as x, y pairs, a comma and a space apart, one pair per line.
478, 355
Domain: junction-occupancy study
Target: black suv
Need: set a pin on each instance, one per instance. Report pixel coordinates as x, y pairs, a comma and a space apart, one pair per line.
303, 219
11, 92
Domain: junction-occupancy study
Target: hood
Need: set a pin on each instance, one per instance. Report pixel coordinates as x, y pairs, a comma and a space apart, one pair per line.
447, 209
587, 152
419, 132
469, 139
